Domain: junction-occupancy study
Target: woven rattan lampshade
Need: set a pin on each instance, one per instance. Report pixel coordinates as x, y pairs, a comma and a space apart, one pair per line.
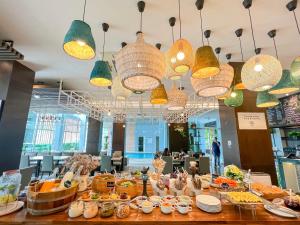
265, 100
261, 72
285, 85
79, 42
235, 100
216, 85
180, 56
237, 80
177, 99
101, 75
117, 89
170, 73
206, 63
224, 96
141, 66
159, 96
295, 71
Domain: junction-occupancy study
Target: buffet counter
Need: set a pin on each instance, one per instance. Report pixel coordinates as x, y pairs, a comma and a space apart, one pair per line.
229, 215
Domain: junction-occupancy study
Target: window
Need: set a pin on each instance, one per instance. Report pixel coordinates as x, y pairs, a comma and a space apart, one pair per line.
71, 134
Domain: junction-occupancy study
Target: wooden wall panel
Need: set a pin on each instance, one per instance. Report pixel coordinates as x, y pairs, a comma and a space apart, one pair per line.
118, 142
14, 116
176, 140
255, 145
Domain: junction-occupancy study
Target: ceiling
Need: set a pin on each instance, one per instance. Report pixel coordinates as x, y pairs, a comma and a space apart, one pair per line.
38, 29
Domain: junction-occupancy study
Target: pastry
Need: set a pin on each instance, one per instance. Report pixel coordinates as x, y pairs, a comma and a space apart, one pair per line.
76, 209
90, 210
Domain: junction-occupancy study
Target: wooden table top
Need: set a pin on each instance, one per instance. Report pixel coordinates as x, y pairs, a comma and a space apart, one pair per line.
229, 215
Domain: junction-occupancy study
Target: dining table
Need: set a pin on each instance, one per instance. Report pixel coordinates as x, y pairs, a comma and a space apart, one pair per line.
58, 159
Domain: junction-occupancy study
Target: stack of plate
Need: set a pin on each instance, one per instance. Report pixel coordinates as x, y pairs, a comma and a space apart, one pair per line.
208, 203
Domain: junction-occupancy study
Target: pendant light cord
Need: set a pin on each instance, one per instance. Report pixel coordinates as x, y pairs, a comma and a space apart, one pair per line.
207, 41
103, 45
252, 29
141, 22
83, 16
173, 35
201, 23
241, 49
179, 15
275, 47
296, 21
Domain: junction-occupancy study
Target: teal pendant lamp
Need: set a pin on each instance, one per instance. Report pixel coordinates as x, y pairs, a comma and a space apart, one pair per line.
79, 42
295, 66
101, 73
266, 100
235, 99
285, 86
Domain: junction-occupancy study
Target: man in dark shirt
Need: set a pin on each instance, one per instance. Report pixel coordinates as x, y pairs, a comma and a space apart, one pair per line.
216, 152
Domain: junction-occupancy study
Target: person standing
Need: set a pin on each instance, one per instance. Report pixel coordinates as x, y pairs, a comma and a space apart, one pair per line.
216, 152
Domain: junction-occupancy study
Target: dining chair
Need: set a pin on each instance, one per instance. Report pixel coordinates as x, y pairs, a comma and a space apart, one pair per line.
169, 164
56, 153
47, 165
204, 165
117, 160
24, 161
105, 164
187, 161
26, 175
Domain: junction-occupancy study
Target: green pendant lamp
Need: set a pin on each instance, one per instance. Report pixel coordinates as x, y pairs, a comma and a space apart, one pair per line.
235, 99
101, 73
266, 100
285, 85
206, 63
295, 66
79, 42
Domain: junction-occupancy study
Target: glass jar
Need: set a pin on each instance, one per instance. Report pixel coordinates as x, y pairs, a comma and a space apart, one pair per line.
123, 210
9, 186
107, 209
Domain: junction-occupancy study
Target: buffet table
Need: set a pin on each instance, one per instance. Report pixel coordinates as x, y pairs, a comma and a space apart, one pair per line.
229, 215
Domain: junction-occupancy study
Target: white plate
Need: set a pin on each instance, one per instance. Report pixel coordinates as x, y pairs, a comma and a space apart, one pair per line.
11, 207
278, 212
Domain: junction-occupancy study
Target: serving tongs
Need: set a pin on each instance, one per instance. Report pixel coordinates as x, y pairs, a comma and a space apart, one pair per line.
271, 205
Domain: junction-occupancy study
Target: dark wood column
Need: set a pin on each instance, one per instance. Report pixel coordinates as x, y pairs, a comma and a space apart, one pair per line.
16, 91
252, 148
178, 140
118, 139
93, 137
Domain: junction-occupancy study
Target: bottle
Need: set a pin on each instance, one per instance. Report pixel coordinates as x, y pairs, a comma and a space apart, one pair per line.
66, 181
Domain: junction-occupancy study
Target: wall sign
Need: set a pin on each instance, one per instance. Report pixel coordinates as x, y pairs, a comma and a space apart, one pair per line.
252, 121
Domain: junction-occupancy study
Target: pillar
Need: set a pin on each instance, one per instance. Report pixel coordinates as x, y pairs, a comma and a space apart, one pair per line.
15, 92
93, 137
118, 139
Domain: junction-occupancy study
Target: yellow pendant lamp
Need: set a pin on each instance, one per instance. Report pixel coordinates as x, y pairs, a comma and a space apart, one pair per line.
159, 96
206, 63
237, 66
180, 55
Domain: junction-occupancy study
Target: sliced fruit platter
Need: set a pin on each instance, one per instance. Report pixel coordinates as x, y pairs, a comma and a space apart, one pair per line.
243, 198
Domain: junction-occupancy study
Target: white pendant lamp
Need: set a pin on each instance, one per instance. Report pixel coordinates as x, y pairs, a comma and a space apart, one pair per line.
260, 72
177, 99
141, 66
216, 85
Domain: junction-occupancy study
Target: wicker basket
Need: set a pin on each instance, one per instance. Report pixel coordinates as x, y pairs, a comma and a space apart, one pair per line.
103, 183
45, 203
132, 191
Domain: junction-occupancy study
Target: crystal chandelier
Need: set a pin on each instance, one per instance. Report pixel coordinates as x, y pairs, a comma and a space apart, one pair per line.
141, 66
